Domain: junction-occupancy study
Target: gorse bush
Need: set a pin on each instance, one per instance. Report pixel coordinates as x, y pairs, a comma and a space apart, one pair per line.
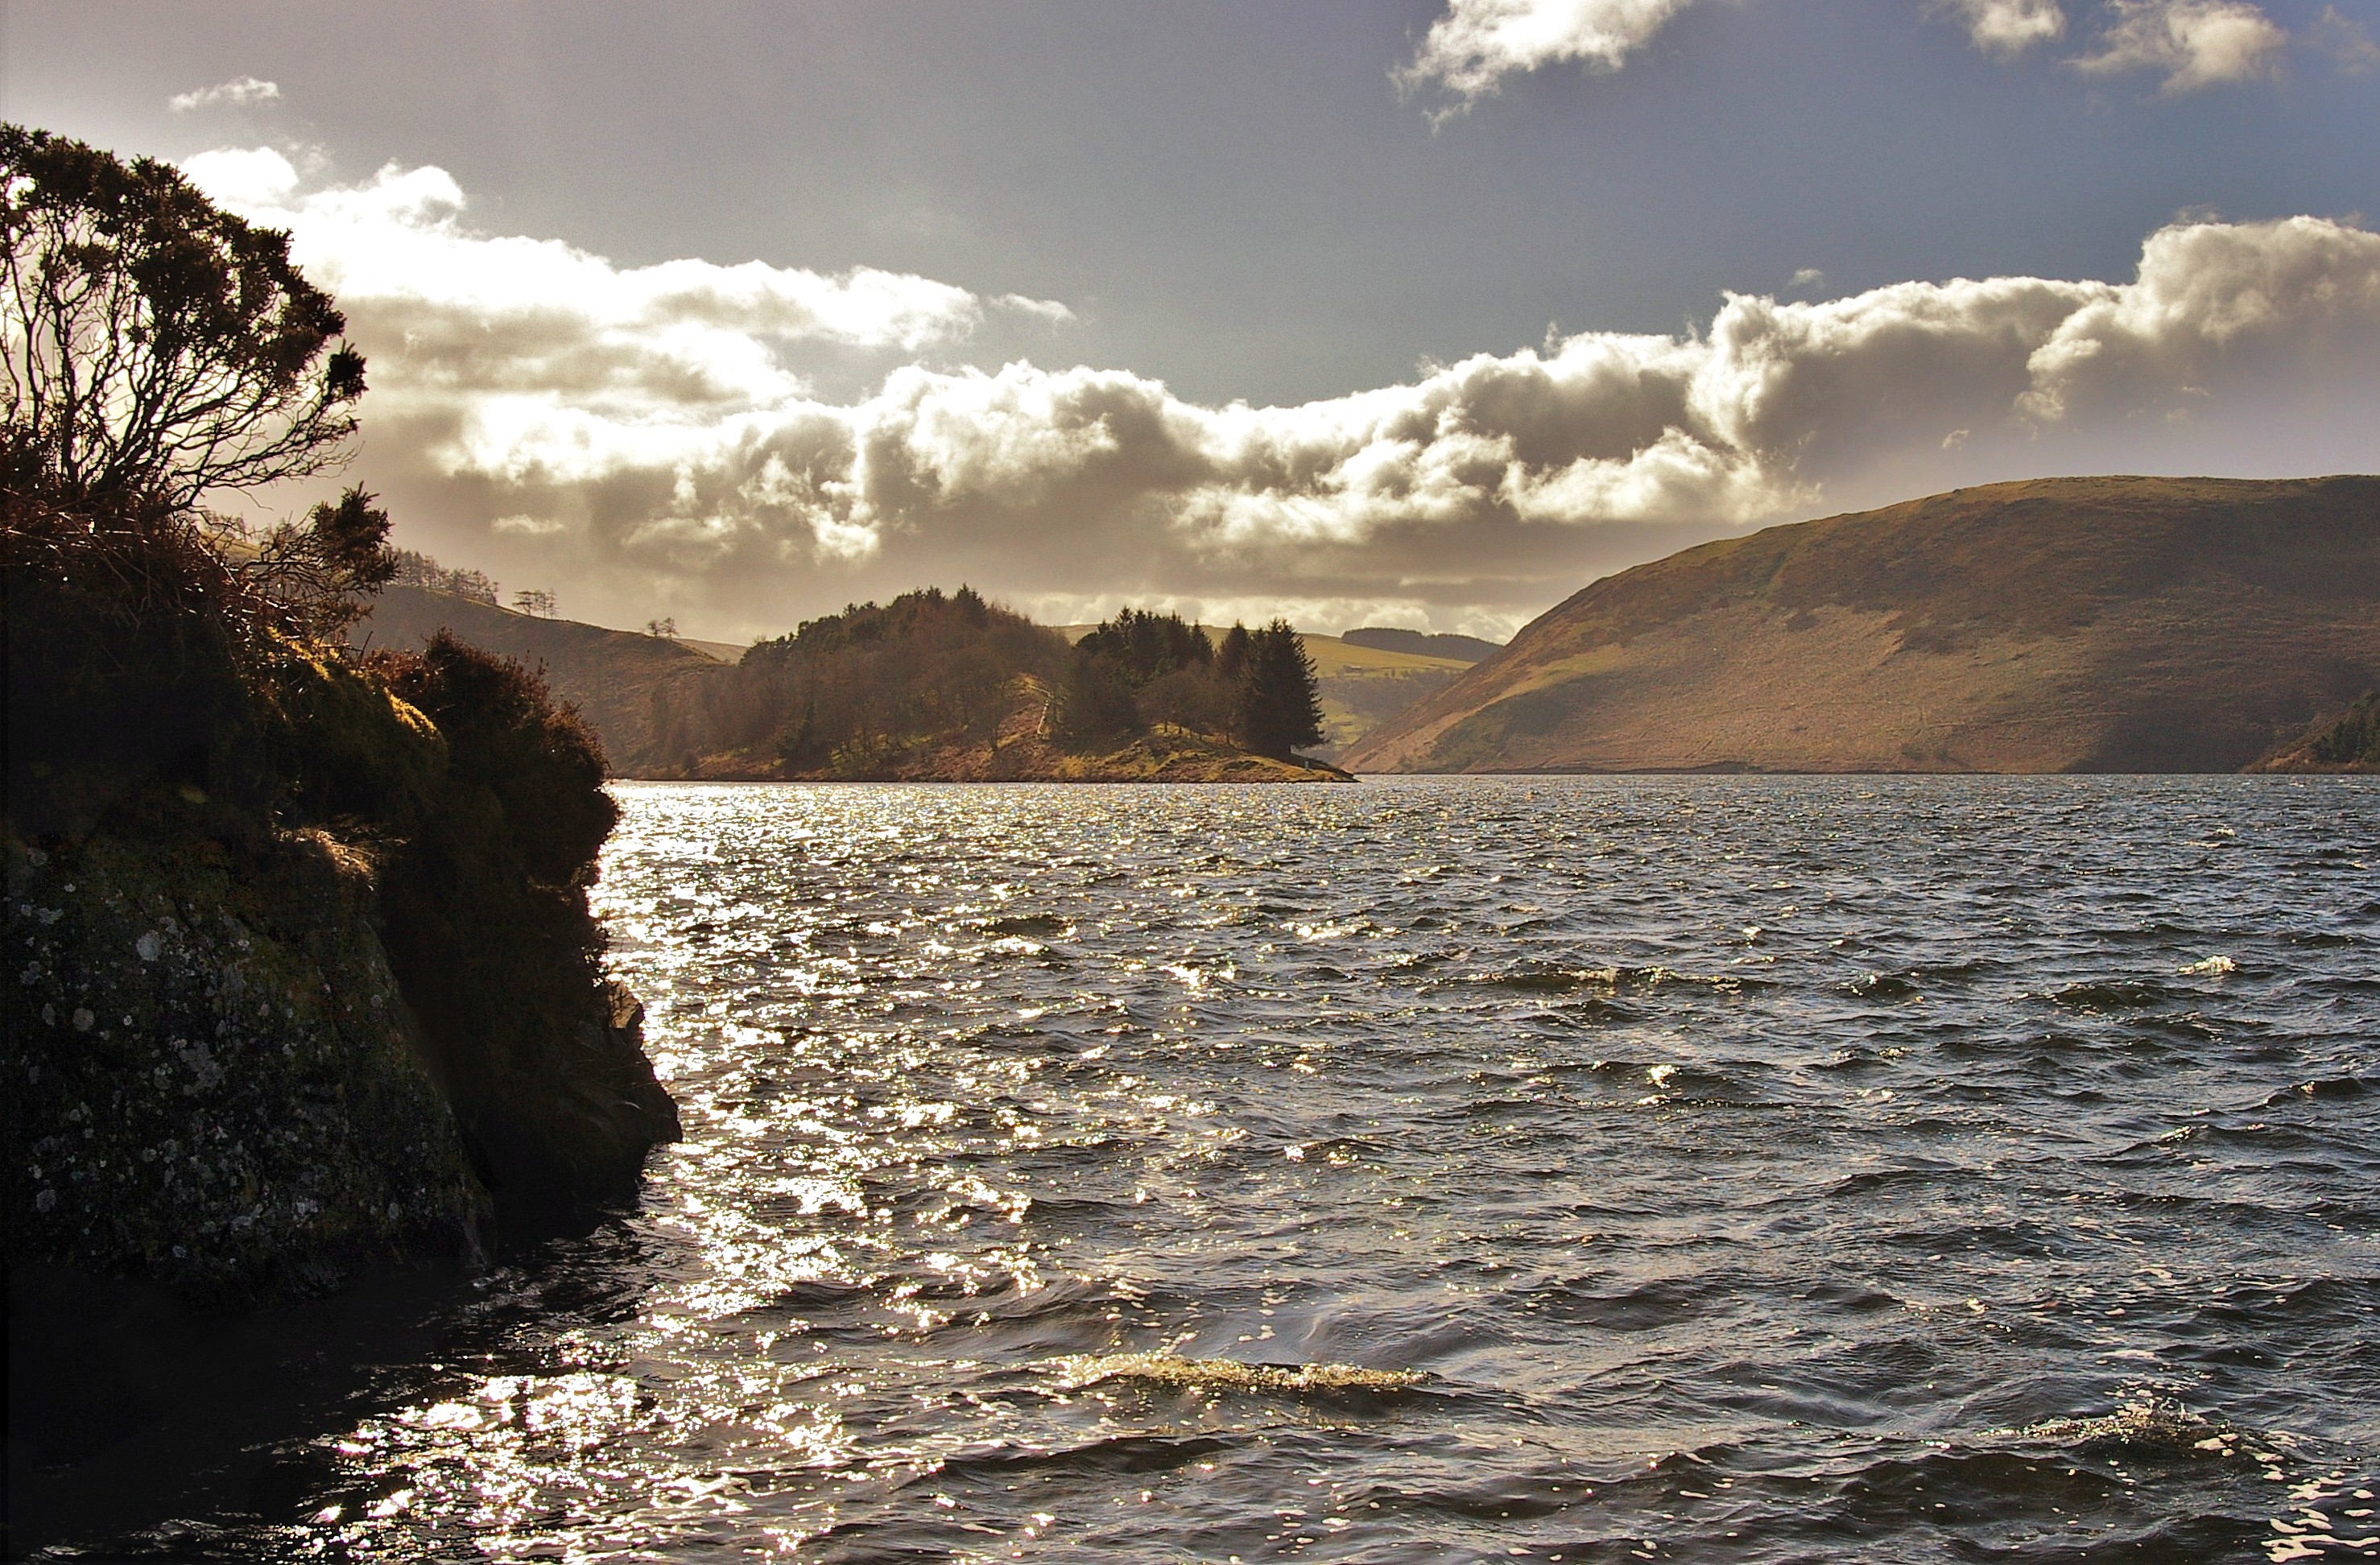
157, 348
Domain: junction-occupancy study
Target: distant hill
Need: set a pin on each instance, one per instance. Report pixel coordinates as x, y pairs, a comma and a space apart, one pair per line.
1454, 649
2071, 624
2350, 741
612, 676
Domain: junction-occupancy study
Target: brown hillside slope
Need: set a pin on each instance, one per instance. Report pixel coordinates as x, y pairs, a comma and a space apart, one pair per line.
2069, 624
610, 676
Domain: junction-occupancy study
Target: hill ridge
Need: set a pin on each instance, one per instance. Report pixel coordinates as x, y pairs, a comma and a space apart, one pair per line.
2096, 624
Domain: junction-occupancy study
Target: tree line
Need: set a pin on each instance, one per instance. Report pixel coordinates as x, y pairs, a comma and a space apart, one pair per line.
1140, 669
851, 693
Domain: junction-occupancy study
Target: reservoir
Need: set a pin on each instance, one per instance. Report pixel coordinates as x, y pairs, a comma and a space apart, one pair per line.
1559, 1169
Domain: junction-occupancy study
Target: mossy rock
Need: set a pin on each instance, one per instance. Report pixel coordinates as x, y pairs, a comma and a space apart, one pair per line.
210, 1077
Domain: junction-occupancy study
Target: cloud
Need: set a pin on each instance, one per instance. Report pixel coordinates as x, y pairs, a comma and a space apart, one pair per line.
2345, 40
2009, 28
245, 93
1469, 51
2194, 43
519, 329
1472, 48
634, 437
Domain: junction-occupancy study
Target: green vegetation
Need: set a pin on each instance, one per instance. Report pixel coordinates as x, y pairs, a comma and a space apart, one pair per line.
1421, 643
854, 694
2348, 741
935, 686
158, 348
308, 971
418, 570
2354, 738
1141, 670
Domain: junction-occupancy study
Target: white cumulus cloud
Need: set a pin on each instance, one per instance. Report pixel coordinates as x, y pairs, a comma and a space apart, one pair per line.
2192, 43
527, 330
634, 436
2009, 28
245, 93
1470, 50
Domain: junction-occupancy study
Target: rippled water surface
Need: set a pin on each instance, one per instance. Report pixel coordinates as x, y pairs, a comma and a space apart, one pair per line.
1571, 1170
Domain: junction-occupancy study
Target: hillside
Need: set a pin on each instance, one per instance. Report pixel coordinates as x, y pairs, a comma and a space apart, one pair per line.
612, 676
1421, 643
2071, 624
1364, 687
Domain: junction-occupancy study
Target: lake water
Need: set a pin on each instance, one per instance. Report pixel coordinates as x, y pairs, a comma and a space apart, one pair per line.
1754, 1170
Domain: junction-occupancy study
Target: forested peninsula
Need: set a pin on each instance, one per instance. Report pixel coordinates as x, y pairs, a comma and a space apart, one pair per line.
304, 977
949, 687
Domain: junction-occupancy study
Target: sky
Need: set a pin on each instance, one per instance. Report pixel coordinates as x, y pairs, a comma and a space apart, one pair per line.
1419, 312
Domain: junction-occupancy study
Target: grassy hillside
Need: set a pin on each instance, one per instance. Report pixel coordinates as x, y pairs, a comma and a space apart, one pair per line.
2072, 624
1364, 686
612, 676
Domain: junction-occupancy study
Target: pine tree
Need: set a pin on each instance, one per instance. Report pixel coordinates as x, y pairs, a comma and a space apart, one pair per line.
1280, 706
1095, 702
1231, 657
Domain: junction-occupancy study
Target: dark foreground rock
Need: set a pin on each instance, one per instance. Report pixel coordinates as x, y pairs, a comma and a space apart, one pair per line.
304, 1016
213, 1080
303, 975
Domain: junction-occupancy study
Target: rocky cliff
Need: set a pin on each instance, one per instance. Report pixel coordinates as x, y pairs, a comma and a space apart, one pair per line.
304, 976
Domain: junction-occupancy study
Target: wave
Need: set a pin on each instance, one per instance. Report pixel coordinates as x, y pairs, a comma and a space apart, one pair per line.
2159, 1424
1031, 924
1119, 1454
1177, 1373
2112, 994
1547, 977
2319, 1087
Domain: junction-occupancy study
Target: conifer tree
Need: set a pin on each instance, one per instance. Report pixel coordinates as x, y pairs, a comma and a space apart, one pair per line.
1280, 706
1231, 657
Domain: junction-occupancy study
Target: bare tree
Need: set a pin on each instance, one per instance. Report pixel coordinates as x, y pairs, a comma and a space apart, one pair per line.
534, 601
155, 346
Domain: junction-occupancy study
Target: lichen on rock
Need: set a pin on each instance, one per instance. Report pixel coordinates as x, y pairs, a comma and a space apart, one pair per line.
210, 1078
